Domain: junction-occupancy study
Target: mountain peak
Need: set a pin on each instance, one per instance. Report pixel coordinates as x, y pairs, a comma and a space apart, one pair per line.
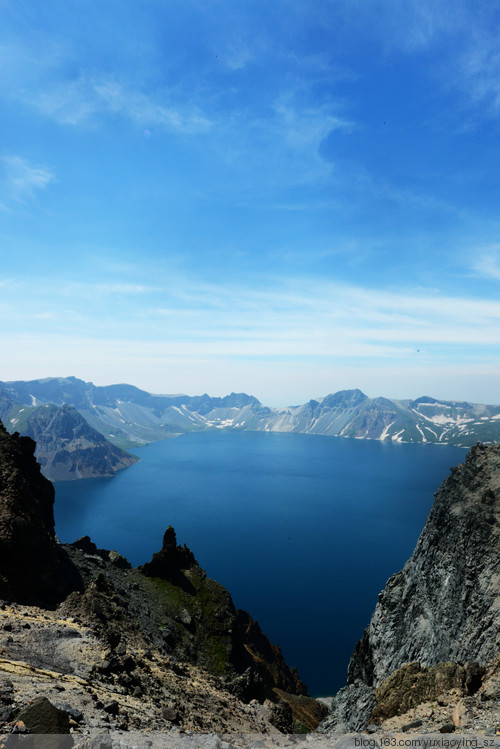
346, 398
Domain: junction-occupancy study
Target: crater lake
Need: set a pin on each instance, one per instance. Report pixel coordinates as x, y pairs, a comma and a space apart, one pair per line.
303, 530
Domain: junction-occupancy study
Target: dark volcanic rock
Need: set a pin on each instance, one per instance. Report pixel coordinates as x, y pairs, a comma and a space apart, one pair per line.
268, 656
67, 446
307, 712
43, 717
169, 613
170, 562
85, 544
32, 568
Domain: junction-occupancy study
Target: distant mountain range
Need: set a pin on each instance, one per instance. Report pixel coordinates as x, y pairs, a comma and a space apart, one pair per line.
129, 417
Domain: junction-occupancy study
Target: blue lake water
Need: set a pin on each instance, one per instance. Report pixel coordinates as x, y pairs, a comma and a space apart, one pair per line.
303, 530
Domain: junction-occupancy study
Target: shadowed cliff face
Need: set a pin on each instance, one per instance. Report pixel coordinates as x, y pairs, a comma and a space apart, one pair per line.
30, 564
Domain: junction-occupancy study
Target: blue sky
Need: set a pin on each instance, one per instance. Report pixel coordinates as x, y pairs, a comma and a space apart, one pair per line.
286, 197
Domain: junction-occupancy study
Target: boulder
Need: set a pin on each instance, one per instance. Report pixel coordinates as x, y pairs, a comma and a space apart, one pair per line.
44, 717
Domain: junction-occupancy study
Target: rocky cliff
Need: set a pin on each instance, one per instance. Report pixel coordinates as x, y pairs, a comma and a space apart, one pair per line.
67, 447
32, 565
444, 605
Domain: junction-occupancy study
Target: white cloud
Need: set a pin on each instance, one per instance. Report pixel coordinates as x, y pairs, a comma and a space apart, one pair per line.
180, 334
88, 290
479, 70
84, 100
21, 180
303, 126
292, 319
487, 262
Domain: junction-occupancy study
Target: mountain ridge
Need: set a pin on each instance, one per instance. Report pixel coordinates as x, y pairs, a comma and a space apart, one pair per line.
129, 417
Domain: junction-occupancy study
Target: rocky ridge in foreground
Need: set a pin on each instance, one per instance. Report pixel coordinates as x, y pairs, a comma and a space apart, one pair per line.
157, 647
441, 611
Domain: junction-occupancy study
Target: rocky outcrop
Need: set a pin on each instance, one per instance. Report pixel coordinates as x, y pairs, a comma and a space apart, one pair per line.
444, 604
33, 568
413, 684
224, 640
130, 686
42, 717
171, 562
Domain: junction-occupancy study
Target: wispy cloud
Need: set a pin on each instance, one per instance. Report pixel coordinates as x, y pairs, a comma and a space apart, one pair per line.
84, 290
277, 148
216, 335
83, 100
294, 319
407, 26
238, 55
21, 180
303, 126
479, 71
487, 262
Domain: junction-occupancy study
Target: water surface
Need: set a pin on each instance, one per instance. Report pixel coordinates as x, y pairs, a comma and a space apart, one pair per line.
303, 530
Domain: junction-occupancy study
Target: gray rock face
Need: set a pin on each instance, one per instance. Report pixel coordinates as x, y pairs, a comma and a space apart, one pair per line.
444, 605
350, 710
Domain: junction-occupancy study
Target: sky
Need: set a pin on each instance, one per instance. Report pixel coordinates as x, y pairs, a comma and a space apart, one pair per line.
279, 197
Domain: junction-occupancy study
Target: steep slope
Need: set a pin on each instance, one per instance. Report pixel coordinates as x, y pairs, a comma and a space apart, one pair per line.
444, 605
66, 446
350, 413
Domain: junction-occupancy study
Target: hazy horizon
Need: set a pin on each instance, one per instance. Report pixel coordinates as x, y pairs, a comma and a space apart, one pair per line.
285, 199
